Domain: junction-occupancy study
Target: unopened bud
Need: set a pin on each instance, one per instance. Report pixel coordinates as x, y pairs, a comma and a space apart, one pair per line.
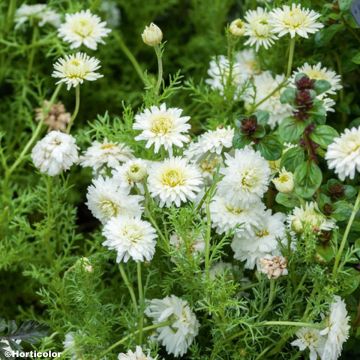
152, 35
237, 28
284, 183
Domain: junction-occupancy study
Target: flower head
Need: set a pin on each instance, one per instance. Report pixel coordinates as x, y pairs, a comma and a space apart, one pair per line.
161, 126
273, 266
184, 327
174, 181
137, 355
74, 69
130, 173
56, 118
284, 182
311, 339
83, 28
258, 29
55, 153
131, 238
343, 155
237, 28
295, 20
152, 35
39, 12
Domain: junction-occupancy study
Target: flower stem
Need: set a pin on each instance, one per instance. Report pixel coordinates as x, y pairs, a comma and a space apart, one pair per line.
160, 68
207, 239
346, 233
33, 50
76, 110
291, 57
128, 285
290, 323
10, 15
141, 301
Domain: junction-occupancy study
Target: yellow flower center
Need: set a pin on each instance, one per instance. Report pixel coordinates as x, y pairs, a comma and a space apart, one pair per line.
109, 208
172, 178
316, 74
161, 124
248, 179
83, 28
133, 233
233, 209
283, 178
107, 146
295, 19
262, 233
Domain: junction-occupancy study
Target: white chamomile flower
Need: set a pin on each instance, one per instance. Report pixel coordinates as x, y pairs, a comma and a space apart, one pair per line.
248, 63
83, 28
137, 355
74, 69
228, 214
105, 200
237, 28
152, 35
178, 336
174, 181
311, 339
295, 20
130, 173
337, 331
319, 72
251, 245
246, 176
131, 238
284, 182
308, 218
328, 103
343, 154
39, 12
105, 153
161, 126
55, 153
263, 85
258, 29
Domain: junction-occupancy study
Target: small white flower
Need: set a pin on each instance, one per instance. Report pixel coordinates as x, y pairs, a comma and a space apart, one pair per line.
137, 355
237, 28
131, 238
228, 214
258, 29
152, 35
130, 173
106, 153
105, 200
343, 155
112, 12
246, 176
174, 181
309, 218
284, 182
161, 126
55, 153
70, 345
248, 63
273, 266
74, 69
38, 12
337, 331
178, 336
251, 245
83, 28
295, 20
309, 339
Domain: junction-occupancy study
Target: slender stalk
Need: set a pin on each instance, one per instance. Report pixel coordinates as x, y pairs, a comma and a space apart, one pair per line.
207, 240
271, 296
49, 218
76, 110
33, 51
346, 233
130, 56
160, 68
141, 301
290, 323
128, 285
291, 57
10, 15
124, 339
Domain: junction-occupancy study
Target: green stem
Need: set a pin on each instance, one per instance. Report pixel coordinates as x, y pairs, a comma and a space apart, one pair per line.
33, 51
130, 56
160, 68
291, 57
10, 15
346, 233
49, 218
271, 297
76, 110
207, 240
141, 302
291, 323
128, 285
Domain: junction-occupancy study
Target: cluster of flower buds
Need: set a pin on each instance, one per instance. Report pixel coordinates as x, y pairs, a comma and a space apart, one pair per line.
273, 266
304, 98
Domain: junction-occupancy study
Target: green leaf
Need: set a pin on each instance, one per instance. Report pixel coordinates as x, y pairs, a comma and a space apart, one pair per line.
308, 177
291, 130
324, 36
292, 158
321, 86
240, 141
356, 58
287, 200
262, 117
270, 147
344, 5
288, 96
323, 135
342, 210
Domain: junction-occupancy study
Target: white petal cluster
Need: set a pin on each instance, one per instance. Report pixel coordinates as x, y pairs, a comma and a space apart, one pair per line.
174, 181
131, 238
105, 153
184, 327
311, 339
343, 155
284, 182
74, 69
131, 173
137, 355
263, 85
258, 29
161, 126
105, 199
40, 13
152, 35
237, 28
246, 176
55, 153
252, 244
295, 20
83, 28
273, 266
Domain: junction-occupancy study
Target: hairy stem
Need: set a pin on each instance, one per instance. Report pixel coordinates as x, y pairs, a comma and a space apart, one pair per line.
76, 110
